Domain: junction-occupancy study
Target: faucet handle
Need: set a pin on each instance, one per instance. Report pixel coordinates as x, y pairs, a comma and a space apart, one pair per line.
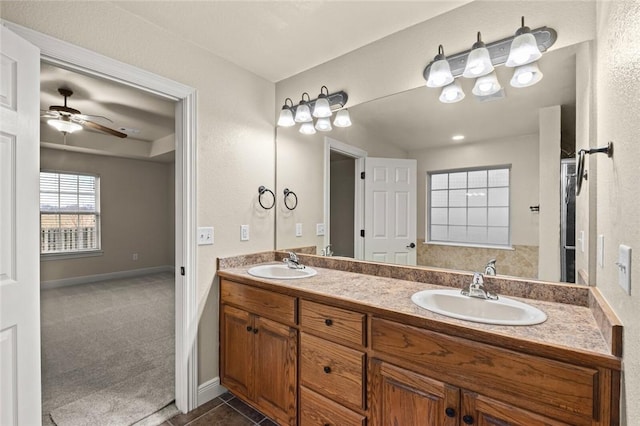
477, 279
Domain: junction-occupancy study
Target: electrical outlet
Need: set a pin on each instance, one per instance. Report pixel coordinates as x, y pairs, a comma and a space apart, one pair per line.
319, 229
298, 230
581, 241
244, 232
134, 257
205, 235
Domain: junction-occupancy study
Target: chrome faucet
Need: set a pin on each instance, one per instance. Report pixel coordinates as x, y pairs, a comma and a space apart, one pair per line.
477, 289
327, 251
490, 267
292, 261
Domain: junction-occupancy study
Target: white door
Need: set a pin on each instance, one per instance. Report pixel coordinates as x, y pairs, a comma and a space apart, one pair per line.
390, 210
19, 229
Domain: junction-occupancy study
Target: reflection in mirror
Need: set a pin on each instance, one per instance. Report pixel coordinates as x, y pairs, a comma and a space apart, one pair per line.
529, 132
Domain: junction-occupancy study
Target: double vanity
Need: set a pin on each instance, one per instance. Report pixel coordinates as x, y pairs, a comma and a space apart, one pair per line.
341, 342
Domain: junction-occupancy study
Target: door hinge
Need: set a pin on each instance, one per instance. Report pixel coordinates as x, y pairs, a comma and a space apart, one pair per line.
362, 174
182, 270
362, 233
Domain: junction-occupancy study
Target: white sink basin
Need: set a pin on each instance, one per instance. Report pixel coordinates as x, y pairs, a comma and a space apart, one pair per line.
503, 311
281, 272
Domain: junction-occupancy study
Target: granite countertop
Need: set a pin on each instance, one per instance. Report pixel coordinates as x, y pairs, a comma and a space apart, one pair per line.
569, 326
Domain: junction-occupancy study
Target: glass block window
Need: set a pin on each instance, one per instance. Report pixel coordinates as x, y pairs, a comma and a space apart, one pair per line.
469, 207
69, 213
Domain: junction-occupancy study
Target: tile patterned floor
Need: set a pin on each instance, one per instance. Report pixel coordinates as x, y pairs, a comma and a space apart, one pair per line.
225, 410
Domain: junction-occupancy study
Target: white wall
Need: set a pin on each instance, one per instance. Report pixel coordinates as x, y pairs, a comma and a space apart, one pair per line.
520, 152
134, 201
235, 129
618, 204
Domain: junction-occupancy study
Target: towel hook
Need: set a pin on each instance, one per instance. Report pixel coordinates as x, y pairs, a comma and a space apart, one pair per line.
261, 190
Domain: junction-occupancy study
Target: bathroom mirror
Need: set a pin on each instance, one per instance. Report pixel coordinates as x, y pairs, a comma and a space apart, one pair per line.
415, 125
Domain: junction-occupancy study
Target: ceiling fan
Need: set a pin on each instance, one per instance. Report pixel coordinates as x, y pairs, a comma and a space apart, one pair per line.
69, 120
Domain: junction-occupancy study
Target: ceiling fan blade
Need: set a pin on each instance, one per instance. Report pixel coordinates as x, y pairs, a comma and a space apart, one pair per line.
101, 128
49, 114
87, 117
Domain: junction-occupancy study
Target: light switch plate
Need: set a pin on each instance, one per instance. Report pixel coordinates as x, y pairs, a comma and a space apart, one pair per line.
319, 229
581, 241
205, 235
244, 232
624, 268
298, 230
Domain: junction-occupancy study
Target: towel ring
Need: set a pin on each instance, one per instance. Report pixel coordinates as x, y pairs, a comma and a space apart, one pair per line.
261, 191
286, 198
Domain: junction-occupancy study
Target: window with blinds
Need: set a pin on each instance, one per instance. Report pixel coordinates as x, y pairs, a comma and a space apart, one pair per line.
69, 213
469, 207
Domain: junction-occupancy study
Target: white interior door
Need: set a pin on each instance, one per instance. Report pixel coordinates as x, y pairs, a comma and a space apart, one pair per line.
390, 210
19, 229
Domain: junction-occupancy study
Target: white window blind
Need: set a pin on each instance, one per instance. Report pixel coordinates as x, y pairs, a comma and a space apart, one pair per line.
69, 212
469, 207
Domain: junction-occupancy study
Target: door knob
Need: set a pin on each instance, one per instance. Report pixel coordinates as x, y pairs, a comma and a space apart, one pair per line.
412, 245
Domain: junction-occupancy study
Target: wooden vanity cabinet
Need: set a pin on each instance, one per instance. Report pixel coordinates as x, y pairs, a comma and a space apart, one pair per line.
332, 366
258, 355
422, 377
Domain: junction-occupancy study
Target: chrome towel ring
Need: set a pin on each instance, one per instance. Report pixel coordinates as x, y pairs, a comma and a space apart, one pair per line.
580, 173
261, 191
287, 192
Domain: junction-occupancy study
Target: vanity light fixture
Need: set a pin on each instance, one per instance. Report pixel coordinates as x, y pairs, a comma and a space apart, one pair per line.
479, 61
321, 109
520, 51
342, 118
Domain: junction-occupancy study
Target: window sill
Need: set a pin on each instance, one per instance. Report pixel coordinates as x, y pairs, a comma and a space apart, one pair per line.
45, 257
468, 245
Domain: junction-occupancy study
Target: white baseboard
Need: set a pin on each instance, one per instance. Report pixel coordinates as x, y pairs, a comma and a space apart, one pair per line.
64, 282
210, 390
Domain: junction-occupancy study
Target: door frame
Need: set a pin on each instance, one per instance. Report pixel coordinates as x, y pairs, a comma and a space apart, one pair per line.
85, 61
359, 156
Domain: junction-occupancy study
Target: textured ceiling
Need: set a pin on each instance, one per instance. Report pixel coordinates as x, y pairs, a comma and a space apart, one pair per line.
278, 39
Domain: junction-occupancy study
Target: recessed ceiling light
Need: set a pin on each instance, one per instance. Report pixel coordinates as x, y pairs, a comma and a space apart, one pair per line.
457, 137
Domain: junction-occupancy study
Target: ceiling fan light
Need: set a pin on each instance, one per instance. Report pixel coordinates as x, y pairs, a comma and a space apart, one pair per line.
65, 126
478, 61
342, 118
452, 93
526, 75
307, 128
323, 124
486, 85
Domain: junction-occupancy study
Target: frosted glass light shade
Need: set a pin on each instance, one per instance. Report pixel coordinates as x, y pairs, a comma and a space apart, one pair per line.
439, 74
342, 118
303, 114
323, 124
322, 108
307, 128
486, 85
286, 118
64, 125
526, 75
478, 63
524, 50
452, 93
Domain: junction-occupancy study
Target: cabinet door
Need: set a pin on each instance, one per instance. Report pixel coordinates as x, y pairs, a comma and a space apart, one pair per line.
236, 348
402, 397
479, 410
275, 369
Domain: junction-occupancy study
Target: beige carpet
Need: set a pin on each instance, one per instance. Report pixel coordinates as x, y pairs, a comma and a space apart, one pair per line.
108, 351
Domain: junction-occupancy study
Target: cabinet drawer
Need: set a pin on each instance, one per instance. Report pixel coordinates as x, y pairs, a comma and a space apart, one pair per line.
316, 410
268, 304
332, 370
542, 385
332, 323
